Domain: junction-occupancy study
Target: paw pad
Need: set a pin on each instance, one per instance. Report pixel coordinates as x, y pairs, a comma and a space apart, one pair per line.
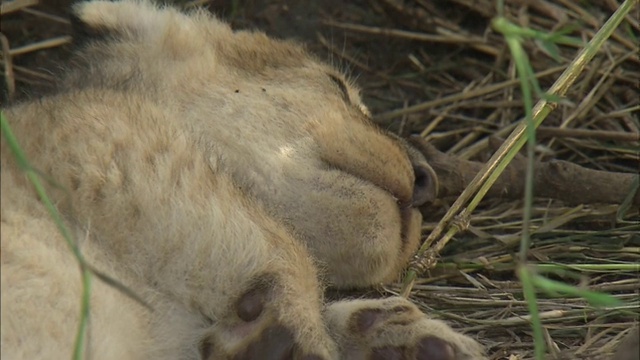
251, 304
434, 348
365, 319
275, 343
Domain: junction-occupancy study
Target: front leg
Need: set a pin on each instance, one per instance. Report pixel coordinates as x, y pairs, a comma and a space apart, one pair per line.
275, 314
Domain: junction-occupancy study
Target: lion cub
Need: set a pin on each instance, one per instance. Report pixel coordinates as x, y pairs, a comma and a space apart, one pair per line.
224, 177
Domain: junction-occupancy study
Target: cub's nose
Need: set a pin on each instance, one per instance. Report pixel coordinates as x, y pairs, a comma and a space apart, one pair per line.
425, 185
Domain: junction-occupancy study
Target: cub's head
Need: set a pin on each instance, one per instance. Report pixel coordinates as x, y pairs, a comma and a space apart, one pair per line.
289, 130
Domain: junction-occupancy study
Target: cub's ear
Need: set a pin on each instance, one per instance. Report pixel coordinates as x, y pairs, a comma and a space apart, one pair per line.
83, 32
130, 19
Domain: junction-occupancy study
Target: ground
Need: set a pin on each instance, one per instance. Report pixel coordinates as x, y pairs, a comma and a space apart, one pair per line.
438, 70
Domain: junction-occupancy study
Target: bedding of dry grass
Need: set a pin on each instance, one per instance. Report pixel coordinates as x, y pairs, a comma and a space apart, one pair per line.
436, 68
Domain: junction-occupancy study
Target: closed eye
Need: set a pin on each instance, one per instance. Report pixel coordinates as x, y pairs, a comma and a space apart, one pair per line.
342, 86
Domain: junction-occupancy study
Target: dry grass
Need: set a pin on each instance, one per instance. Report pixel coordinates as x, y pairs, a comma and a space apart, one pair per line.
467, 91
436, 69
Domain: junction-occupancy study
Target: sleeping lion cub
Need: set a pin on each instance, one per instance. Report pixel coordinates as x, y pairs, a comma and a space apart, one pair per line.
224, 177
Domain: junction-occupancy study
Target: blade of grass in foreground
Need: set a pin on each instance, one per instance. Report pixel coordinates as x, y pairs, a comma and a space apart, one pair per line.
23, 163
525, 131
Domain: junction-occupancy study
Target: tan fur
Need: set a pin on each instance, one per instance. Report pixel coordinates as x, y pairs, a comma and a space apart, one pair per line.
196, 165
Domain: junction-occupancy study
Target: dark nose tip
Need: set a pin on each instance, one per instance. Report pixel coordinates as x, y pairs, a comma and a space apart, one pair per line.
425, 188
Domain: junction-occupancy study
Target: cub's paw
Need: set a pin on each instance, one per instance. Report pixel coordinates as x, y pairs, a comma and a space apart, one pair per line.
395, 329
264, 324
